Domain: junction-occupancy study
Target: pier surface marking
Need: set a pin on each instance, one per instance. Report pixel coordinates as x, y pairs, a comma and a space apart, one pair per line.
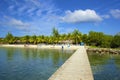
77, 67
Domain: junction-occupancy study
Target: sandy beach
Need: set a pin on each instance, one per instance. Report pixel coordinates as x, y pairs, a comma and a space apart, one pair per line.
42, 46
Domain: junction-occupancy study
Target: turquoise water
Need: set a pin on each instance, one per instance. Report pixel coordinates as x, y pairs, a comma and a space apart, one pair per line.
105, 67
30, 64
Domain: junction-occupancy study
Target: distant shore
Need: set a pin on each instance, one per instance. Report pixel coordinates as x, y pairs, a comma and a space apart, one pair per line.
42, 46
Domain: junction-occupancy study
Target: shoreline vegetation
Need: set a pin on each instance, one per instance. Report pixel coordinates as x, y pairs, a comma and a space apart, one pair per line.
56, 40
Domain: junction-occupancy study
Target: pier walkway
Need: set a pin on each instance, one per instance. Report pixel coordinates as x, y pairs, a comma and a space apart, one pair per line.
77, 67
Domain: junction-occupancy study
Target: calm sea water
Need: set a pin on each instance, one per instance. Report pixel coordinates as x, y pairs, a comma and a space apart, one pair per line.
105, 67
30, 64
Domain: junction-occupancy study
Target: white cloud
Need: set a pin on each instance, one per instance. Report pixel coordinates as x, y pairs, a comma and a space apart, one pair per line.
19, 23
39, 16
115, 13
14, 23
81, 16
44, 24
105, 16
31, 8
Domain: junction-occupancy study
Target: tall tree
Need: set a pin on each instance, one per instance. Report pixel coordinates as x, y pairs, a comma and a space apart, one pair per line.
55, 34
85, 38
76, 36
26, 39
34, 37
106, 42
95, 38
116, 41
9, 38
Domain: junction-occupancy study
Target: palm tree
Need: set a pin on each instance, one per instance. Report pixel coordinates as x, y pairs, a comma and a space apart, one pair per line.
34, 37
76, 36
85, 38
55, 34
26, 39
9, 38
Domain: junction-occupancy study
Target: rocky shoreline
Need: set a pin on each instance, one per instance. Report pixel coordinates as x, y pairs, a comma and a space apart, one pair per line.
103, 50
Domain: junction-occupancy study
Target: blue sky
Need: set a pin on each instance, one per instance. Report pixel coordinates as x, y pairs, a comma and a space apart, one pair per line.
29, 17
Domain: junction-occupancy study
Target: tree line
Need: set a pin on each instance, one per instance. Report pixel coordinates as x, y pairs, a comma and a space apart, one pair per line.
93, 38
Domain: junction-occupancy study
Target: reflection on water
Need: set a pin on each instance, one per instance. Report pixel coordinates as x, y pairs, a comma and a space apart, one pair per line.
30, 64
105, 67
117, 61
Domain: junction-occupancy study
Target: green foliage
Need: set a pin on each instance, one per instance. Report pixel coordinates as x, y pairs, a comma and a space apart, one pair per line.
99, 39
85, 38
106, 42
96, 39
33, 39
55, 34
76, 36
9, 38
26, 39
116, 41
0, 40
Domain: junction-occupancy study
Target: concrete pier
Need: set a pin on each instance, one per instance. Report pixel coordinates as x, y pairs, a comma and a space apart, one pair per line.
77, 67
